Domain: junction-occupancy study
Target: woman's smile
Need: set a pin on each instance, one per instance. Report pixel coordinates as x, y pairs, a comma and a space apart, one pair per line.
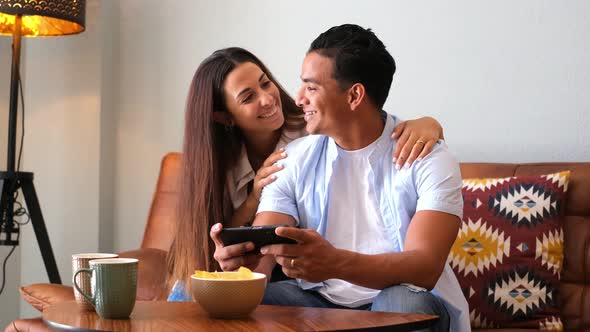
270, 113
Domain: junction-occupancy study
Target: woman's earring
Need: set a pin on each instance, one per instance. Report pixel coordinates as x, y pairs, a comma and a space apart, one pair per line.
229, 127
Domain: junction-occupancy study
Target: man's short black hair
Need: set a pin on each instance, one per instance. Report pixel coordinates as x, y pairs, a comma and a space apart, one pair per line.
358, 57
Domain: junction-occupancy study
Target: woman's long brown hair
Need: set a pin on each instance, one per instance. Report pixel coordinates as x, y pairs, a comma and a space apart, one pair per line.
209, 152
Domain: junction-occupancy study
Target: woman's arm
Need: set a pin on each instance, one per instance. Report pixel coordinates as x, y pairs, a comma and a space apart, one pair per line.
415, 139
244, 215
247, 211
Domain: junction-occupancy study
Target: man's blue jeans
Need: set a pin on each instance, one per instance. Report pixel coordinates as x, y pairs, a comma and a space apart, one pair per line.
398, 298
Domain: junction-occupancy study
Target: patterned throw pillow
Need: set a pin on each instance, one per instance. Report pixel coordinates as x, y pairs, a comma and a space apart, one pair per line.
508, 255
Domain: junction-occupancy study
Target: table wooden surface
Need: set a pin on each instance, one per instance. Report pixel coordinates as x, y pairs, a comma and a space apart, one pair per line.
177, 316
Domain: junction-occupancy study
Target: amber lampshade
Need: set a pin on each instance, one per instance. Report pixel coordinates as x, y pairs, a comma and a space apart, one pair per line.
43, 17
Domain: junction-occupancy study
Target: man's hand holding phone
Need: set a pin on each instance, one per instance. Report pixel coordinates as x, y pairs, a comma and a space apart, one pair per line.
235, 247
313, 258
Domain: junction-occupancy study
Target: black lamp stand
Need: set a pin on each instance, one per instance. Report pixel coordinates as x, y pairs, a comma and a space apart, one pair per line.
12, 180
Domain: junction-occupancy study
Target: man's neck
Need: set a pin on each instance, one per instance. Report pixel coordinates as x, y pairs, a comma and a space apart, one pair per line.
360, 130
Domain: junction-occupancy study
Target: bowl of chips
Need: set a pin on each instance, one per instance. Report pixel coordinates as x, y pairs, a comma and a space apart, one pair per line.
228, 294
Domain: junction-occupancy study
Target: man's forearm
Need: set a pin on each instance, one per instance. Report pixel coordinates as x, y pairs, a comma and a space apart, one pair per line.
273, 218
385, 270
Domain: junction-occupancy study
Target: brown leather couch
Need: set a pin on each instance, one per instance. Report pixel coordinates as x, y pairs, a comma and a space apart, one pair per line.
575, 286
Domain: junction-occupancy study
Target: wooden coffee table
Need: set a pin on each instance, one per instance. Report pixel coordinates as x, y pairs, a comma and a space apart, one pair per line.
177, 316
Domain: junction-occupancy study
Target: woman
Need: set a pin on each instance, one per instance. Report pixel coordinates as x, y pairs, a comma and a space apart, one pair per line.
237, 120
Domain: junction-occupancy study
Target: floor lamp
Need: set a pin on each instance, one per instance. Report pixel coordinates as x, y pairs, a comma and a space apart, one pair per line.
30, 18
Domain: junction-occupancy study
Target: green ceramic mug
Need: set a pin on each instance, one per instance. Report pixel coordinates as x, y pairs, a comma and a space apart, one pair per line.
114, 285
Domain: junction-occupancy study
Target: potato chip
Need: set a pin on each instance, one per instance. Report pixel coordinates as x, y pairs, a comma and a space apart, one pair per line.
243, 273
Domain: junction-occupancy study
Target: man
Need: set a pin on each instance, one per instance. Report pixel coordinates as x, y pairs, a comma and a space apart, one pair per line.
370, 236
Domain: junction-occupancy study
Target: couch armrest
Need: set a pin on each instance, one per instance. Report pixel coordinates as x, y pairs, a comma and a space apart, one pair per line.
151, 276
41, 296
27, 325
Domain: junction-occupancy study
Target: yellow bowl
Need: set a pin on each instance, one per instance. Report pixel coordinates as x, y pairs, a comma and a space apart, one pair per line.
229, 298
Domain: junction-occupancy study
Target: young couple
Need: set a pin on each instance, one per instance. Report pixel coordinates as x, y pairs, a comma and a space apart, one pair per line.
370, 234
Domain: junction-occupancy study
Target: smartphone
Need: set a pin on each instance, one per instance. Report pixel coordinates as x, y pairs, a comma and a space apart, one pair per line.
259, 235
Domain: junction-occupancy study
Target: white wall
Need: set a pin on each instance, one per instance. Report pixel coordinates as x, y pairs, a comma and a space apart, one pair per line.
506, 79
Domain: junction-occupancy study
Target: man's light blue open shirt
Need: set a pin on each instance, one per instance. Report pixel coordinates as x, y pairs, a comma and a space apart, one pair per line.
302, 190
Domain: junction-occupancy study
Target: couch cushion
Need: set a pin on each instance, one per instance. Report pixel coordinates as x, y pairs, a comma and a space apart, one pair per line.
508, 255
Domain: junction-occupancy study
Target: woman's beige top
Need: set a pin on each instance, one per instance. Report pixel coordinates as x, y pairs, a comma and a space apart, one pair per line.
236, 189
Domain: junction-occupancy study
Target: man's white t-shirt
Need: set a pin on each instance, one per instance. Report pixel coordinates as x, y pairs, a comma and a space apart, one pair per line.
354, 222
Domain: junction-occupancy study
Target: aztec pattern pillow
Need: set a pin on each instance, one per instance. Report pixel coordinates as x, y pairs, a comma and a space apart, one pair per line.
508, 255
